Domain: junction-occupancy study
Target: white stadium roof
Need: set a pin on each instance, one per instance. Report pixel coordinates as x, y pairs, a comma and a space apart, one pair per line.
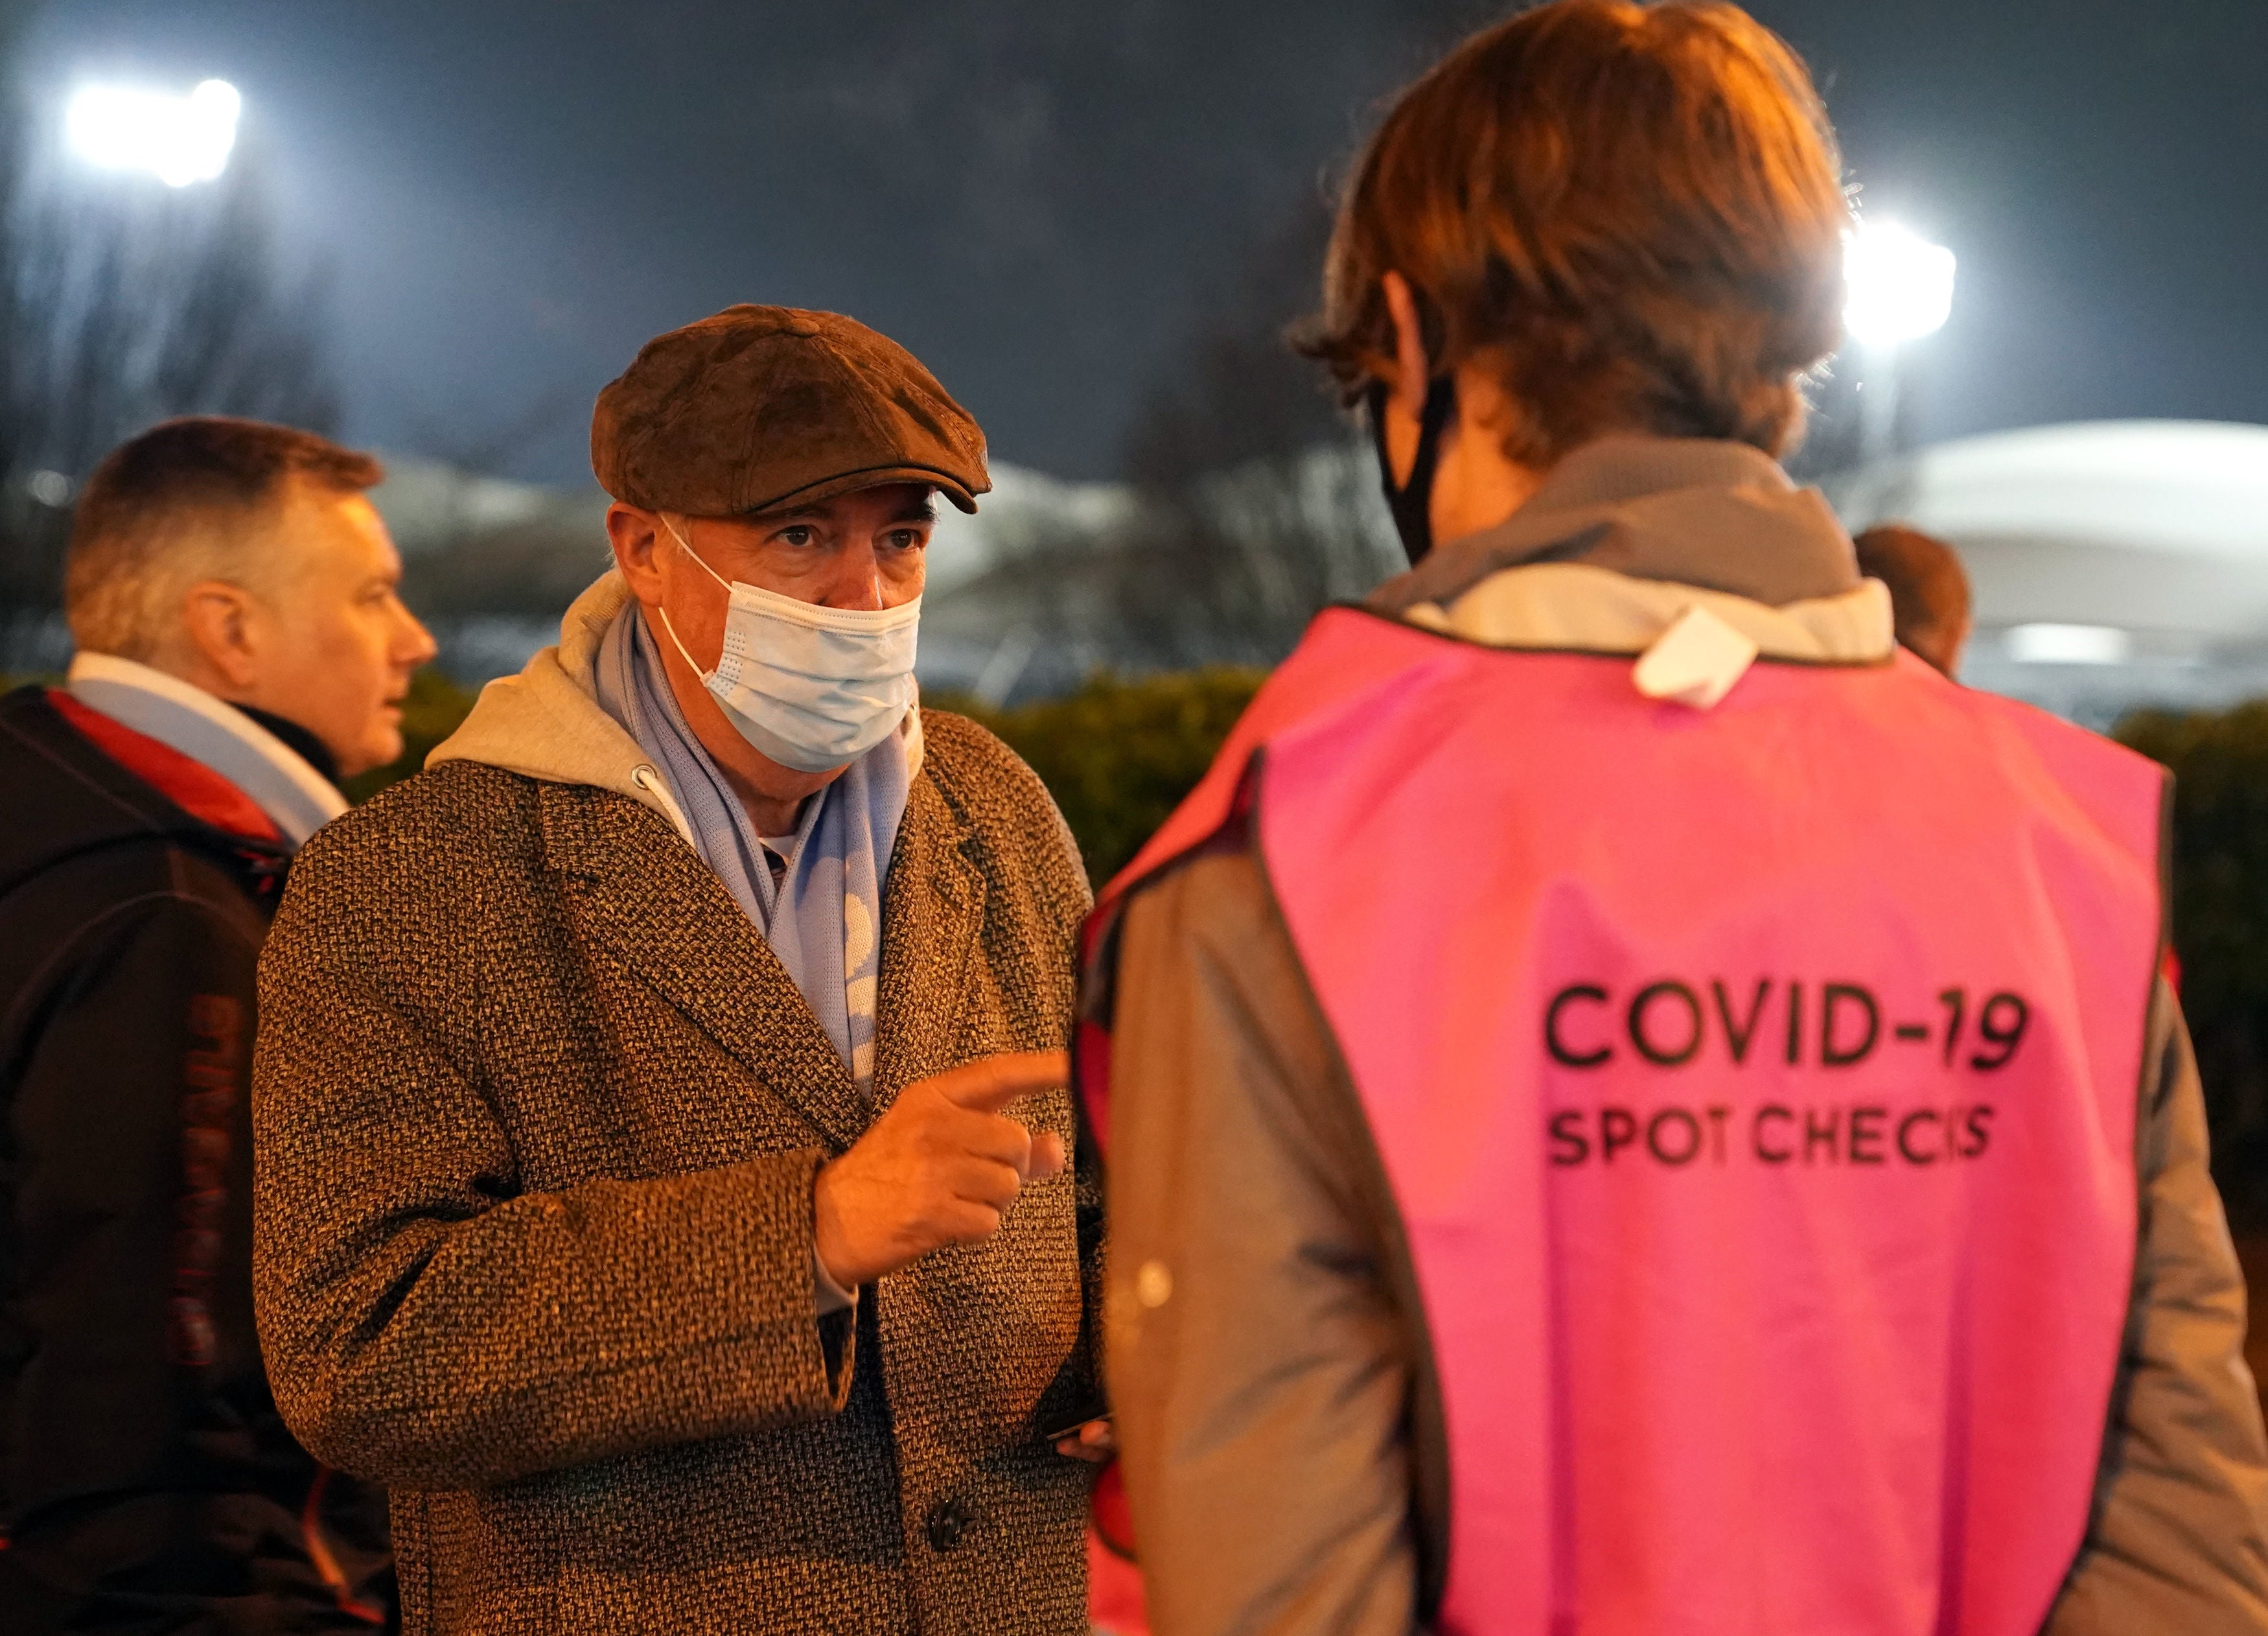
2146, 526
2115, 563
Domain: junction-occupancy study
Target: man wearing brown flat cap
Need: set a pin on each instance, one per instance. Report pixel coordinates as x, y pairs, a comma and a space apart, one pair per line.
664, 1180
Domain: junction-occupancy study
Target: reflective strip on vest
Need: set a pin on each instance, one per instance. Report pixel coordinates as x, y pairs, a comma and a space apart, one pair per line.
1758, 1087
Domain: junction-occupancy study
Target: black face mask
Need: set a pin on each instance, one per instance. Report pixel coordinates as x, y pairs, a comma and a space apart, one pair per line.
1412, 503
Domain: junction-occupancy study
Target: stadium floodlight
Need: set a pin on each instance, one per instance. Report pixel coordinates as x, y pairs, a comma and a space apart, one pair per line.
1900, 285
179, 140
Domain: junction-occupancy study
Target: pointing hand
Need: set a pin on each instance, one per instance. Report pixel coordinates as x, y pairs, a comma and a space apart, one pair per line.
940, 1166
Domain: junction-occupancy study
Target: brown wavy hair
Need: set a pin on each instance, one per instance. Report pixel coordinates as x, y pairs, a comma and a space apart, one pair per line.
1634, 214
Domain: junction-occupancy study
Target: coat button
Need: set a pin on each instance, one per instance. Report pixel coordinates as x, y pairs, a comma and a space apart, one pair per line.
947, 1522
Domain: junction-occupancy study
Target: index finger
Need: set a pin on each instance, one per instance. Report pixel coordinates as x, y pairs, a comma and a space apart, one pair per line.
991, 1083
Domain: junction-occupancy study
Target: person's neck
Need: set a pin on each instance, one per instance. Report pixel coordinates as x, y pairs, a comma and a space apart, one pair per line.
1477, 485
206, 678
771, 815
298, 739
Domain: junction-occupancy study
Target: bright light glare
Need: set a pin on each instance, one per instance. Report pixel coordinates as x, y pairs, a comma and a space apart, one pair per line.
1901, 286
179, 140
2069, 645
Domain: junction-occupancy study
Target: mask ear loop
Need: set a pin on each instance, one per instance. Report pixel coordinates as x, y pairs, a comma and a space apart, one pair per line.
686, 546
1412, 503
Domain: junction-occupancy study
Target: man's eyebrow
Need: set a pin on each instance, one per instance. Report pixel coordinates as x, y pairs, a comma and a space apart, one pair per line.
921, 510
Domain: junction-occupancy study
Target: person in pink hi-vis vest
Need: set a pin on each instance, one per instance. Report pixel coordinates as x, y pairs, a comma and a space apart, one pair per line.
1631, 1106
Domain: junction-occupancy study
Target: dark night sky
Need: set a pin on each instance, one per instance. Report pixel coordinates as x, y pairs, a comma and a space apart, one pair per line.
1041, 198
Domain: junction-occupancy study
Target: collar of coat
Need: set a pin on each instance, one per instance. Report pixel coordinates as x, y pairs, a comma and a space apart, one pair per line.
546, 722
710, 961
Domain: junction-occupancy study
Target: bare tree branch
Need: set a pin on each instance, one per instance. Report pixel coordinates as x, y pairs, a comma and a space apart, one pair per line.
122, 302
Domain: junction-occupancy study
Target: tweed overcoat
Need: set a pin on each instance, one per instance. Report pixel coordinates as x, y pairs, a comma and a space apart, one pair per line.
538, 1114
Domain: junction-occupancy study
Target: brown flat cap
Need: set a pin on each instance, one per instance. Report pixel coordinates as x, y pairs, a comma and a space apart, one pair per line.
761, 407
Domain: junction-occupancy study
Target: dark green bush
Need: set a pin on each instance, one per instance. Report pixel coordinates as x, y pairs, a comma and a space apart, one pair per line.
1119, 754
2220, 762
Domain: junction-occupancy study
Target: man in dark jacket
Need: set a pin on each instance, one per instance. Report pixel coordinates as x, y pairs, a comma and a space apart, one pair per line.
231, 591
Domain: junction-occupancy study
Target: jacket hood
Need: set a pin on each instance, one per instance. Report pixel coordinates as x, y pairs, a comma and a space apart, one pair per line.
1627, 534
547, 723
1577, 608
1692, 511
63, 797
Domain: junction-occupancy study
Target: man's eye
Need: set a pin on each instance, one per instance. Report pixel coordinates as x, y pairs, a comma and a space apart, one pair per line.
907, 539
799, 535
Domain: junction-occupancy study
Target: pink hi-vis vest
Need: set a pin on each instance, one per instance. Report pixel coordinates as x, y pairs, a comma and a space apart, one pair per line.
1757, 1087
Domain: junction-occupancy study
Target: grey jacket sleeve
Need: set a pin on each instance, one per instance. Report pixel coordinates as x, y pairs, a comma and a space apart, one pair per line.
1258, 1369
2179, 1536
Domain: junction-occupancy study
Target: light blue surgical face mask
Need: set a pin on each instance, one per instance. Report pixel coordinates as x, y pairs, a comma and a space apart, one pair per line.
813, 687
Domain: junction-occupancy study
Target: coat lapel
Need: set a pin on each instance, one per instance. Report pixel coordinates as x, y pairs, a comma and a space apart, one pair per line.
932, 905
637, 889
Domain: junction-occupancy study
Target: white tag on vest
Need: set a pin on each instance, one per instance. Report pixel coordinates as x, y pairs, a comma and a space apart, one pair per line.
1695, 662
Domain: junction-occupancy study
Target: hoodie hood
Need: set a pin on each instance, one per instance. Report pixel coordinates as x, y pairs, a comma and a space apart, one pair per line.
63, 797
1629, 532
1688, 511
547, 723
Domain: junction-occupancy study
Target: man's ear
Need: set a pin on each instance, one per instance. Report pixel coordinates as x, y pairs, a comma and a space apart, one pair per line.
1405, 394
218, 623
636, 536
